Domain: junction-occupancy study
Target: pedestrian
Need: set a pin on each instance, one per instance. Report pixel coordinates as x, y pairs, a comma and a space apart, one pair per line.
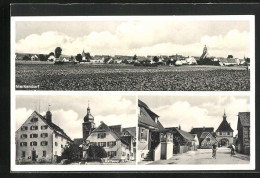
233, 150
214, 151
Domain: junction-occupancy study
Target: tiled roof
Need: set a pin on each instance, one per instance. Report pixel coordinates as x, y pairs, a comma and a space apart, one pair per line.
203, 135
131, 131
200, 130
244, 118
54, 127
224, 126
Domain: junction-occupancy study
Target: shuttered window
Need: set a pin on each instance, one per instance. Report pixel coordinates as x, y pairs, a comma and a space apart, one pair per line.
143, 134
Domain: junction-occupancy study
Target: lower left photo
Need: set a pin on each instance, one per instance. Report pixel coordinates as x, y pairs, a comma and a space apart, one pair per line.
76, 130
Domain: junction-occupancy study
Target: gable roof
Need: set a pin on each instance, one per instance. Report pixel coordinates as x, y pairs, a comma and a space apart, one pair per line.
224, 126
52, 126
244, 118
116, 133
200, 130
205, 134
183, 133
131, 131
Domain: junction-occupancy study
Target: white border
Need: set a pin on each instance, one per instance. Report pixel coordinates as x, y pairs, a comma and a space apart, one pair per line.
175, 167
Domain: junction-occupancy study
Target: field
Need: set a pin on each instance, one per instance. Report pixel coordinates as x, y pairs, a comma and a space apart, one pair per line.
131, 78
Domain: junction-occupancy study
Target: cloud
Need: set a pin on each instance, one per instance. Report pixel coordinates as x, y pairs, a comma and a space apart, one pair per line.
188, 113
145, 38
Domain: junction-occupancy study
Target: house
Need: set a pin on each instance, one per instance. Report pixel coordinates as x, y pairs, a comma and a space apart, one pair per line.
34, 57
51, 58
207, 140
154, 141
119, 143
182, 140
191, 61
39, 139
227, 61
243, 136
199, 130
111, 138
224, 133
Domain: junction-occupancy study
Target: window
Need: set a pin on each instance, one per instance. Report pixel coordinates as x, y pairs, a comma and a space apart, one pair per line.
101, 135
23, 144
220, 133
23, 154
44, 143
111, 154
61, 146
23, 136
103, 144
33, 135
228, 133
143, 134
33, 143
34, 127
44, 135
44, 153
23, 128
44, 127
56, 143
111, 144
208, 139
56, 136
35, 119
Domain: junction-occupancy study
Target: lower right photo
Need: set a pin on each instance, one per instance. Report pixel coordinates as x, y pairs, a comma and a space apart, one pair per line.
193, 130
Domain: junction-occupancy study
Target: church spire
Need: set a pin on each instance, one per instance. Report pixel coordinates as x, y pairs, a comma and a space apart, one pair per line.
224, 116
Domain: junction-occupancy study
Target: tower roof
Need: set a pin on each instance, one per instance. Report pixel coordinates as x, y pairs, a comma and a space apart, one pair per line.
89, 116
224, 126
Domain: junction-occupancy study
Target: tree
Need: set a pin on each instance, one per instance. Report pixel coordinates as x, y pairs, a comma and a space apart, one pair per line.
42, 57
88, 57
155, 59
51, 54
79, 57
230, 56
247, 60
72, 152
58, 51
26, 58
96, 152
135, 57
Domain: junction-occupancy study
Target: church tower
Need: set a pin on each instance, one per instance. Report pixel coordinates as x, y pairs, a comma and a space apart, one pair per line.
88, 125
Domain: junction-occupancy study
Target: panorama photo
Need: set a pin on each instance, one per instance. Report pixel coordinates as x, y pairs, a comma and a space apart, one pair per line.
133, 54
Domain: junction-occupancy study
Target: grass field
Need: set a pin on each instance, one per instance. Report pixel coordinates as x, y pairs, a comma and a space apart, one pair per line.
132, 78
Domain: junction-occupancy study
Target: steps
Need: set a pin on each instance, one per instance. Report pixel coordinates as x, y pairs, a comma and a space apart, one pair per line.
149, 156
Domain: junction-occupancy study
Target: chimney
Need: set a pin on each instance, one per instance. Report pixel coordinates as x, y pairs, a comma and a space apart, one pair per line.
48, 116
203, 128
179, 127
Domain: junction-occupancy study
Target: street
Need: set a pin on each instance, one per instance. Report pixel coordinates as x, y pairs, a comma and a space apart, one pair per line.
203, 156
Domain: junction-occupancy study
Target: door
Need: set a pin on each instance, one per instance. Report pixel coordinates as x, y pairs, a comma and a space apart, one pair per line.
34, 155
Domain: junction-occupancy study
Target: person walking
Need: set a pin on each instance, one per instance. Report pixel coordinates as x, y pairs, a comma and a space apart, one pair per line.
214, 151
233, 150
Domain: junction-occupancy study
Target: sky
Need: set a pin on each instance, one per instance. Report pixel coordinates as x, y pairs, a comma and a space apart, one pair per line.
140, 37
68, 111
197, 111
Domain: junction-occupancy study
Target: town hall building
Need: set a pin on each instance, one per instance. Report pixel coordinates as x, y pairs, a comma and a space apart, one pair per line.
39, 139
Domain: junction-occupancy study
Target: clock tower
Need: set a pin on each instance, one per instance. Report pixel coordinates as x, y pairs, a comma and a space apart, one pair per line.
88, 125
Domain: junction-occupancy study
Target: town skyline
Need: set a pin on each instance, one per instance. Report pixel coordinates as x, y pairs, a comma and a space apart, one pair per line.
132, 37
70, 116
197, 111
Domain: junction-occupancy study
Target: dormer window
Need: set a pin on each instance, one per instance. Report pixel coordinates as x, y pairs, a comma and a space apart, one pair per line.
35, 119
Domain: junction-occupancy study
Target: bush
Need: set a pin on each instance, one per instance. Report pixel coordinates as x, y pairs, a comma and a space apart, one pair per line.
96, 152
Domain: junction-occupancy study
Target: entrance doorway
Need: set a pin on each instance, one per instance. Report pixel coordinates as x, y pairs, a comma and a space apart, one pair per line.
224, 142
33, 155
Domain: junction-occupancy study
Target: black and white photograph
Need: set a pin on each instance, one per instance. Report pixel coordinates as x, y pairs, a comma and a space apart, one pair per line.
75, 130
159, 53
194, 130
